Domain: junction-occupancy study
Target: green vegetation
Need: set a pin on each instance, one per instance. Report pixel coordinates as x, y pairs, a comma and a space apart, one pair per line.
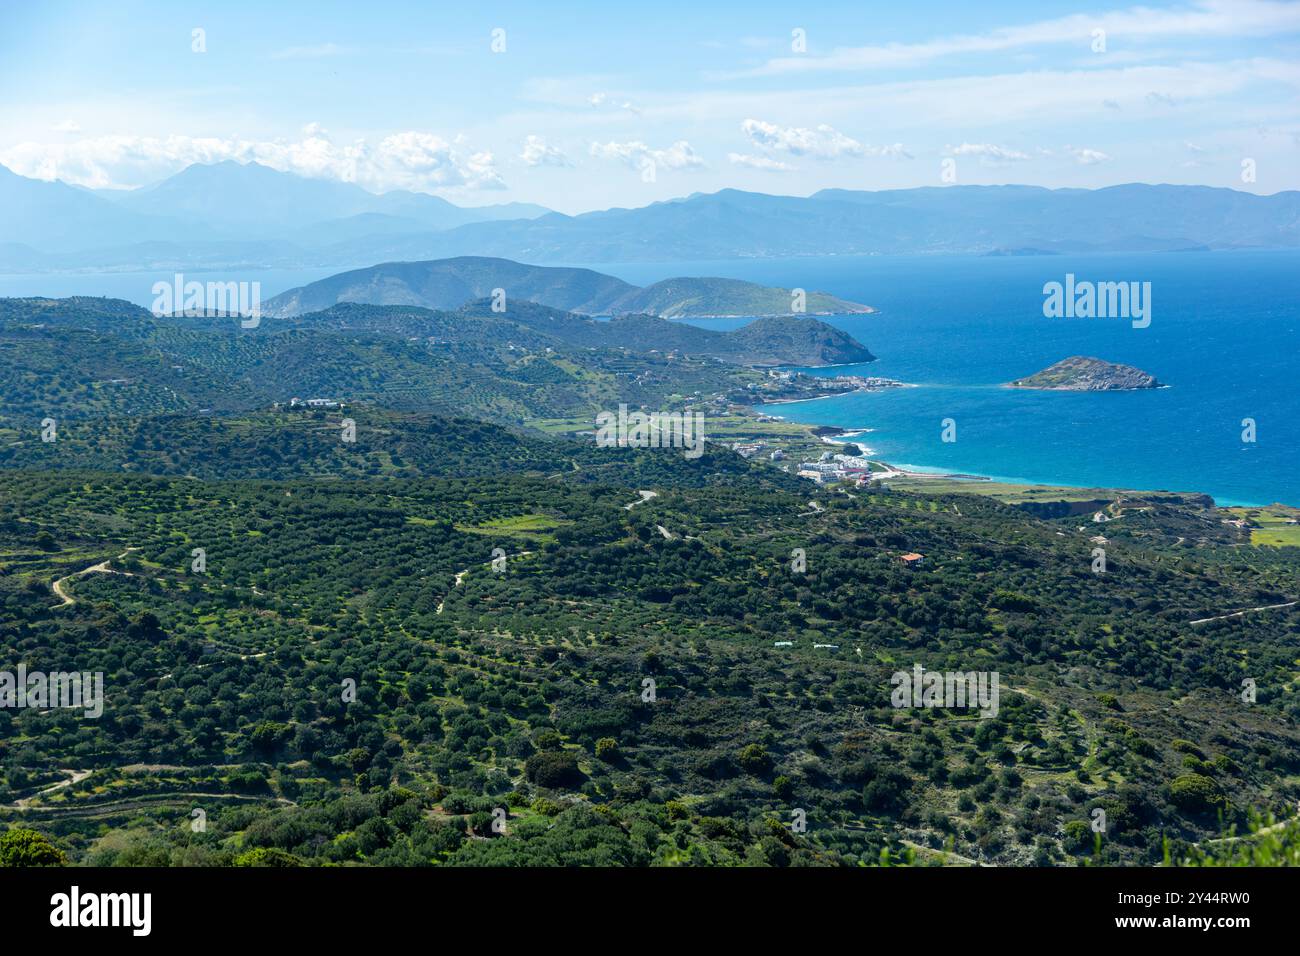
85, 358
23, 847
455, 643
679, 298
1277, 526
478, 690
451, 283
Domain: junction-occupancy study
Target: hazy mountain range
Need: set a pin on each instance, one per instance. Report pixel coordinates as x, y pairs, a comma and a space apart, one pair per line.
450, 283
224, 202
233, 216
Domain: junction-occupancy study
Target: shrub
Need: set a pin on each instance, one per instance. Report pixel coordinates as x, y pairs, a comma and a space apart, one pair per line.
21, 847
754, 759
553, 769
267, 856
1194, 793
607, 749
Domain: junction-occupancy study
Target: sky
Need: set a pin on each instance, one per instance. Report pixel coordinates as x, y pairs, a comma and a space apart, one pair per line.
582, 106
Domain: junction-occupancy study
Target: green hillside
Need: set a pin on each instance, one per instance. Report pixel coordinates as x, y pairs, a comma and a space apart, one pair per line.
450, 283
523, 688
678, 298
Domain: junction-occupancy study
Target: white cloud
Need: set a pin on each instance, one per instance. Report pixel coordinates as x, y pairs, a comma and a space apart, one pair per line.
406, 160
638, 155
894, 149
988, 152
1207, 18
414, 160
758, 162
66, 126
601, 99
537, 152
824, 142
1087, 157
821, 142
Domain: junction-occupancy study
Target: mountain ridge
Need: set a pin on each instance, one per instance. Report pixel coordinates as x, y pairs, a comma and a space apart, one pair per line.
59, 226
450, 283
204, 201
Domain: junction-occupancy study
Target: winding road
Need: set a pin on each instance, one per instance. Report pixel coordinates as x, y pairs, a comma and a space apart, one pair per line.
460, 575
645, 496
74, 776
101, 568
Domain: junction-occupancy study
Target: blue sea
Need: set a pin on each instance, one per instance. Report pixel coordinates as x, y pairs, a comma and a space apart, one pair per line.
1224, 336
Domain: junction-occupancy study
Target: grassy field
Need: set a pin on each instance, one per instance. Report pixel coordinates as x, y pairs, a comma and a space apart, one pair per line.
1269, 526
1002, 491
533, 526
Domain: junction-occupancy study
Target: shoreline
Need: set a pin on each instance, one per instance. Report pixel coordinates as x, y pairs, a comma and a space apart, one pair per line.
1066, 388
923, 472
837, 434
815, 398
818, 398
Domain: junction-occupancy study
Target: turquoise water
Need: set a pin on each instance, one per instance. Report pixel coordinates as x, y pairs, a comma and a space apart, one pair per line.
1224, 336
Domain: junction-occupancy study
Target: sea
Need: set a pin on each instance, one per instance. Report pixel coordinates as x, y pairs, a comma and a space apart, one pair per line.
1224, 337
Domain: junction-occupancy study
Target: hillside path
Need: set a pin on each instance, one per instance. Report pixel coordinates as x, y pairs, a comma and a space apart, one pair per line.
101, 568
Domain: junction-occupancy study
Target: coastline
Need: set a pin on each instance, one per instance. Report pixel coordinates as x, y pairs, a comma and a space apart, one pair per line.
815, 398
836, 435
818, 398
923, 472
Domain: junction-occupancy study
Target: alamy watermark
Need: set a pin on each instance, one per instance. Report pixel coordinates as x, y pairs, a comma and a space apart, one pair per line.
949, 690
57, 690
75, 908
194, 299
651, 430
1098, 300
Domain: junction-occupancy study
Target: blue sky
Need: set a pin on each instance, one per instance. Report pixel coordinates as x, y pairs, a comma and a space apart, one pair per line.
596, 105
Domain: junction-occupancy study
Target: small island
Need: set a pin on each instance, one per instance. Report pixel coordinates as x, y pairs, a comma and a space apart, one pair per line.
1079, 373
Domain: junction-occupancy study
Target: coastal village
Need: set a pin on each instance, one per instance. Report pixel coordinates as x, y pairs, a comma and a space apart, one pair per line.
829, 469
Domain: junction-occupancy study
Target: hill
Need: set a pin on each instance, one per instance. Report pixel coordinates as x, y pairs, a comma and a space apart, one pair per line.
708, 297
84, 357
520, 685
297, 443
450, 283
